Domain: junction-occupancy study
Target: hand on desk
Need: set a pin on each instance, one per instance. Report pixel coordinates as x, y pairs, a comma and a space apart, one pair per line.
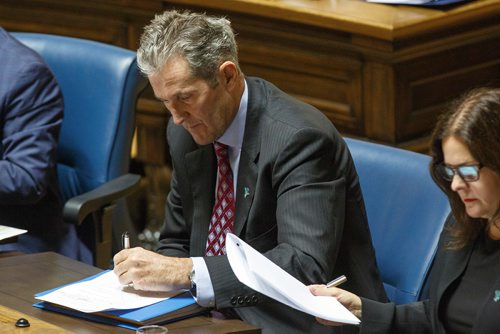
351, 301
148, 270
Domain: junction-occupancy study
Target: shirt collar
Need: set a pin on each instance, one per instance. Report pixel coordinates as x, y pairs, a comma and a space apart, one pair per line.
233, 137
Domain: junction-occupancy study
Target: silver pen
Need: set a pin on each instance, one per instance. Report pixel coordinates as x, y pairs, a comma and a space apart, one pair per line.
125, 240
126, 245
337, 281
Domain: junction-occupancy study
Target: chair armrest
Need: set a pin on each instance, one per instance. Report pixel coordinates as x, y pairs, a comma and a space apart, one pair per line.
79, 207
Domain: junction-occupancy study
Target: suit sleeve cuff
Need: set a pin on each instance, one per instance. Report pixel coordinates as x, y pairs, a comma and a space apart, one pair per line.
204, 289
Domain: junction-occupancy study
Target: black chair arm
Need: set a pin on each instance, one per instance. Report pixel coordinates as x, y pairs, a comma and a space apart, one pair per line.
79, 207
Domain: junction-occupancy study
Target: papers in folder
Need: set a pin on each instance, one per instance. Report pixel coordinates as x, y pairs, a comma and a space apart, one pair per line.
103, 299
259, 273
102, 293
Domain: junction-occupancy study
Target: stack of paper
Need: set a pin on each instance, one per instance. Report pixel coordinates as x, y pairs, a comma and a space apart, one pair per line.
259, 273
7, 232
102, 298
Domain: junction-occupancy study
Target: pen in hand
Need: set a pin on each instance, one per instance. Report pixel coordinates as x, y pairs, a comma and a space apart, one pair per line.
337, 281
126, 245
125, 240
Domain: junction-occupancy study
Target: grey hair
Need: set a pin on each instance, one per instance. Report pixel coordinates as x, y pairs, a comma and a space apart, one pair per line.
204, 42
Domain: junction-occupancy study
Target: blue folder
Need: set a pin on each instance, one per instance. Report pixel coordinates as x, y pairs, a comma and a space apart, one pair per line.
439, 3
173, 309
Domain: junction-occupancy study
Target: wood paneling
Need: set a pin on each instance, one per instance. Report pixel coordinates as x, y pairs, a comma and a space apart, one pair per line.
379, 72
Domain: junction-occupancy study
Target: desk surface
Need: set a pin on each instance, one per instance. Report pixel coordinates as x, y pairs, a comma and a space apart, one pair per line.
23, 276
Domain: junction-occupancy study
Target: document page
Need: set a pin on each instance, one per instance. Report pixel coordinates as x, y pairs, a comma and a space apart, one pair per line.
9, 232
104, 292
259, 273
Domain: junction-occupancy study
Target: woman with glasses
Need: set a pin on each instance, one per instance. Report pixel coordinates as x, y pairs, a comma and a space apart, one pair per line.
464, 286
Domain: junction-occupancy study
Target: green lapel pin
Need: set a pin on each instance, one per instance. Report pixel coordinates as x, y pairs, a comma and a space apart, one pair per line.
497, 296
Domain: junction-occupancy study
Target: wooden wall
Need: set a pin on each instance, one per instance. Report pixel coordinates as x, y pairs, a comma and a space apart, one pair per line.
382, 73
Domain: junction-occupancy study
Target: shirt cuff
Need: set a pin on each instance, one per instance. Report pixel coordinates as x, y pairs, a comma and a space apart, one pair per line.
204, 289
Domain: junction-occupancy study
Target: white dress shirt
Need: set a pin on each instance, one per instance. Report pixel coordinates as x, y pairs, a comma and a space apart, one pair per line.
233, 138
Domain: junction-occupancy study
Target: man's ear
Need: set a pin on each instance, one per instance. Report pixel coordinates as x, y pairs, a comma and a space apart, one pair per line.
229, 73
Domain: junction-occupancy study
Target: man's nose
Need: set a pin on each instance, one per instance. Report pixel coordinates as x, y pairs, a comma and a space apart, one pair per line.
177, 115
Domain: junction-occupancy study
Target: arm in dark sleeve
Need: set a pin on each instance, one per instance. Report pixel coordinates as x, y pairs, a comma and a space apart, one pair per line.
31, 118
397, 319
175, 238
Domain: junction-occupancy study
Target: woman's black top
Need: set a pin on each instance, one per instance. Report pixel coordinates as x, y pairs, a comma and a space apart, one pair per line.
467, 295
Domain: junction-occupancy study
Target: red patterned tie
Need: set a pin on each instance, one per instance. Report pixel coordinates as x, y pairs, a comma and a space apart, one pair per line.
222, 220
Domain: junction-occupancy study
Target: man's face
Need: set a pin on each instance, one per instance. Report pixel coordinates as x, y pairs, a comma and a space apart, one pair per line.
204, 111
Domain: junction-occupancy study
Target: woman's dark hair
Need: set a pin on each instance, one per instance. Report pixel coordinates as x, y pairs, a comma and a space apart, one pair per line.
475, 119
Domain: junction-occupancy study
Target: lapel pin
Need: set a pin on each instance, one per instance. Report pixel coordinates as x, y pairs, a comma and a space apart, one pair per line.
246, 192
497, 296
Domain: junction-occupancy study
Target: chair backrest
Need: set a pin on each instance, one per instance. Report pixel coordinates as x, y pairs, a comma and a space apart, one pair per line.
100, 85
406, 213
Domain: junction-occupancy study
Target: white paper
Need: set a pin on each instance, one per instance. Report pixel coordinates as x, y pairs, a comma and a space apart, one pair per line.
9, 232
259, 273
103, 293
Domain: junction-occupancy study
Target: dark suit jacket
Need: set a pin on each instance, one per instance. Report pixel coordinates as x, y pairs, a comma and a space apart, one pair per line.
423, 317
31, 111
305, 210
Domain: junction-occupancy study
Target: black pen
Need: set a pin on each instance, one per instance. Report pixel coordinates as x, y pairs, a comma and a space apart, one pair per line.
125, 240
337, 281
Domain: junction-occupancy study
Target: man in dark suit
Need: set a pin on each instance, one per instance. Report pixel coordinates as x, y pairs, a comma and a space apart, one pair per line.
31, 112
285, 180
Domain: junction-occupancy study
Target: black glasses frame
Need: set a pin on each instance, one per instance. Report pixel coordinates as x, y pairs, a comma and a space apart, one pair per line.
445, 171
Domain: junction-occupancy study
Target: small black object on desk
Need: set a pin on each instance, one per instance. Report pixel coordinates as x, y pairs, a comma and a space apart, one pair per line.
21, 322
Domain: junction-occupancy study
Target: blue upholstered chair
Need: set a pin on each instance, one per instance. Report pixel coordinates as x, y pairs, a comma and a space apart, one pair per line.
100, 85
406, 213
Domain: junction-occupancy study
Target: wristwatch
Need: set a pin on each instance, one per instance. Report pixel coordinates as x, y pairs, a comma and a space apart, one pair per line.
192, 289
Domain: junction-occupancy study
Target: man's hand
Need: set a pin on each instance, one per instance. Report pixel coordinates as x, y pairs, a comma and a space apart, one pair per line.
351, 301
151, 271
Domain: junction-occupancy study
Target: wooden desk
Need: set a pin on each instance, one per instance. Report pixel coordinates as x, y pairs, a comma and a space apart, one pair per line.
23, 276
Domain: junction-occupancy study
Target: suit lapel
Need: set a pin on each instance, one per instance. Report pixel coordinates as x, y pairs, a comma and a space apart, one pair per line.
201, 169
203, 177
453, 267
247, 178
487, 319
248, 170
488, 316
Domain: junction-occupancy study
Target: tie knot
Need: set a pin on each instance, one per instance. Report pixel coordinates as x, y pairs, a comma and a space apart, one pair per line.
220, 151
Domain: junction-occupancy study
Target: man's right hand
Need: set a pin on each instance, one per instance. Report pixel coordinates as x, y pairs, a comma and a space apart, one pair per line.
148, 270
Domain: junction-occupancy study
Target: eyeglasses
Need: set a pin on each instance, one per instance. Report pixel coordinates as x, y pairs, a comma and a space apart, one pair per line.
468, 173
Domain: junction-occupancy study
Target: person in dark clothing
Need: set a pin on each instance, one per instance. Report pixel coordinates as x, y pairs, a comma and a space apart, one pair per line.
464, 286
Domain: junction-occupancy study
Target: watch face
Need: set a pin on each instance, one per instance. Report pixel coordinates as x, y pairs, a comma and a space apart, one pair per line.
191, 278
